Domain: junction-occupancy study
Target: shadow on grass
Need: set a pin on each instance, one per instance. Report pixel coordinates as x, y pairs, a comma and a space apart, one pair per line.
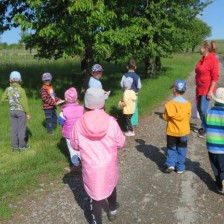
118, 114
62, 146
28, 135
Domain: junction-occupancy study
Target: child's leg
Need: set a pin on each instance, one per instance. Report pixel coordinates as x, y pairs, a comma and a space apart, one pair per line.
54, 119
48, 119
181, 153
217, 165
14, 130
96, 210
128, 122
171, 159
112, 200
134, 118
74, 155
21, 128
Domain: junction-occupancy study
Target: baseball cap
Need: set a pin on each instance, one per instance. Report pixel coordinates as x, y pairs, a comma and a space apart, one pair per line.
179, 85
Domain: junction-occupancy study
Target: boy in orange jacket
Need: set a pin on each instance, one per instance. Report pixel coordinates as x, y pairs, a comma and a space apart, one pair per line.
177, 114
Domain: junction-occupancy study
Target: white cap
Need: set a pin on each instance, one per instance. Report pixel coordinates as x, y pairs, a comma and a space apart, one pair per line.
219, 95
94, 98
15, 76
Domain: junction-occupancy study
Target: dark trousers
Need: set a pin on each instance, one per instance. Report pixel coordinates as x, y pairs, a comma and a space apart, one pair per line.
96, 207
128, 124
217, 165
51, 119
18, 128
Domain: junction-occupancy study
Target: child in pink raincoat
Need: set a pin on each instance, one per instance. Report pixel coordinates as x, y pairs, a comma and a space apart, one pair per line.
98, 137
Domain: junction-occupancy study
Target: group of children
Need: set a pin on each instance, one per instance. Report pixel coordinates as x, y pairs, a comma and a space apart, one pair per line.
93, 137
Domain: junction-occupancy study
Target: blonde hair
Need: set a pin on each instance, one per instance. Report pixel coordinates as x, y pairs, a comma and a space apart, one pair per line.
210, 46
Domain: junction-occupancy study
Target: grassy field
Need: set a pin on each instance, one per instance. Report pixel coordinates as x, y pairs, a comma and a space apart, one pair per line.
22, 172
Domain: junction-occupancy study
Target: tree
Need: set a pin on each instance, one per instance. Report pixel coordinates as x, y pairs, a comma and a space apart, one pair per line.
98, 29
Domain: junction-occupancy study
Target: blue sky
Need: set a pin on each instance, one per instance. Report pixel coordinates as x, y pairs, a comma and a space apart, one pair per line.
212, 15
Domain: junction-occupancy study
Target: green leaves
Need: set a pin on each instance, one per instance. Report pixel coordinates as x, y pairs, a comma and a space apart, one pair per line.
109, 29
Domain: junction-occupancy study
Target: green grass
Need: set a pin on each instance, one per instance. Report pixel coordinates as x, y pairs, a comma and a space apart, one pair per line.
220, 46
25, 171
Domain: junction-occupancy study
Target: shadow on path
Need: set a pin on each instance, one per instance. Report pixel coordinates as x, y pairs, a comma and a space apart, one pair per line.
154, 154
74, 181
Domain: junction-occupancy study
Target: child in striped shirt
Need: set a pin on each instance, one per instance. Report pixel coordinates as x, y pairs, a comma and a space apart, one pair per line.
50, 102
215, 138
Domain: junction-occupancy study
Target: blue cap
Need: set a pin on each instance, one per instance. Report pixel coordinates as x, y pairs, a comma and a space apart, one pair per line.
180, 85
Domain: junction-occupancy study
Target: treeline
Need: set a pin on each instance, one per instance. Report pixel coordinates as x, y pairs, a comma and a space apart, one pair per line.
11, 46
110, 30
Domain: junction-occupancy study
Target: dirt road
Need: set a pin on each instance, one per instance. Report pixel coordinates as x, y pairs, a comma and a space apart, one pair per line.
146, 194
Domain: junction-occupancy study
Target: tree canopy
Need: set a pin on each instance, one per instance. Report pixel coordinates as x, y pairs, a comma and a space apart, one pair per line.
112, 29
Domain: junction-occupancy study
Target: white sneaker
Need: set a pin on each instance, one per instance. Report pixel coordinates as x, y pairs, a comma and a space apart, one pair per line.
169, 169
180, 171
129, 133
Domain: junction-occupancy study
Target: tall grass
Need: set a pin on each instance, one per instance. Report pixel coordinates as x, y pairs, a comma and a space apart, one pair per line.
21, 172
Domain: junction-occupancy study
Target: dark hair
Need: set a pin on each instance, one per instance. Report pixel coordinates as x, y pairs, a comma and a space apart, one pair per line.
131, 64
180, 92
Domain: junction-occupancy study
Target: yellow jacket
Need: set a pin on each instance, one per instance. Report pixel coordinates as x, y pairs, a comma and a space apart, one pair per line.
177, 114
128, 102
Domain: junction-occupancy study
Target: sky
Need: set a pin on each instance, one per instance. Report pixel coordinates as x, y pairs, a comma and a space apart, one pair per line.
212, 15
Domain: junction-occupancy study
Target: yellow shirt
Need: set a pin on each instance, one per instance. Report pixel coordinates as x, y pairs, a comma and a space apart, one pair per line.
128, 103
177, 114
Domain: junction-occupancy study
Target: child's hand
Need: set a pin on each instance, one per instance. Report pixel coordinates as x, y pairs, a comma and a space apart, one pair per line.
28, 117
107, 93
120, 104
60, 102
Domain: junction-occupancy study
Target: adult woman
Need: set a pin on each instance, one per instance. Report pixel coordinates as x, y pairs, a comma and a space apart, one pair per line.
207, 74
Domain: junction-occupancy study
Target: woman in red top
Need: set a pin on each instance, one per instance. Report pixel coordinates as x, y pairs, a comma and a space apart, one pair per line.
207, 74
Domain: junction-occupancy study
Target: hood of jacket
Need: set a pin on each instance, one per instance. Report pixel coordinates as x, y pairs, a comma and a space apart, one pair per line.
94, 124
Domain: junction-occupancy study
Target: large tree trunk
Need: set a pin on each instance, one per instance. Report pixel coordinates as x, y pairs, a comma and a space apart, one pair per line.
86, 64
158, 64
149, 67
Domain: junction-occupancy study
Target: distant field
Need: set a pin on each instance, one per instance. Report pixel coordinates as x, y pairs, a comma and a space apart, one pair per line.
220, 46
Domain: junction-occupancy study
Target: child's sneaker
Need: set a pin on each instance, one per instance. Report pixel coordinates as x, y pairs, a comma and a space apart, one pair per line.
219, 189
113, 214
129, 133
169, 169
201, 133
24, 148
180, 171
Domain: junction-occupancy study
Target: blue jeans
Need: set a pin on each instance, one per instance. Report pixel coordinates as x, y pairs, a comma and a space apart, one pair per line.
202, 106
176, 152
51, 119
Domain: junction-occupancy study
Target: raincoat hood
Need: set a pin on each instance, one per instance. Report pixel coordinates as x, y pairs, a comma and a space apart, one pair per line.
94, 124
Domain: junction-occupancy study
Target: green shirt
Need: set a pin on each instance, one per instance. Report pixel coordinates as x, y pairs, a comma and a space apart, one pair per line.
16, 96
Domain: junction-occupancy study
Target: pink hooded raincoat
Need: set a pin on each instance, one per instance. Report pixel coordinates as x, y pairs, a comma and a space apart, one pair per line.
98, 137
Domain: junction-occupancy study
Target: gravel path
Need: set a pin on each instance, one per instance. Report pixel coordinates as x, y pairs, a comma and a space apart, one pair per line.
146, 194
